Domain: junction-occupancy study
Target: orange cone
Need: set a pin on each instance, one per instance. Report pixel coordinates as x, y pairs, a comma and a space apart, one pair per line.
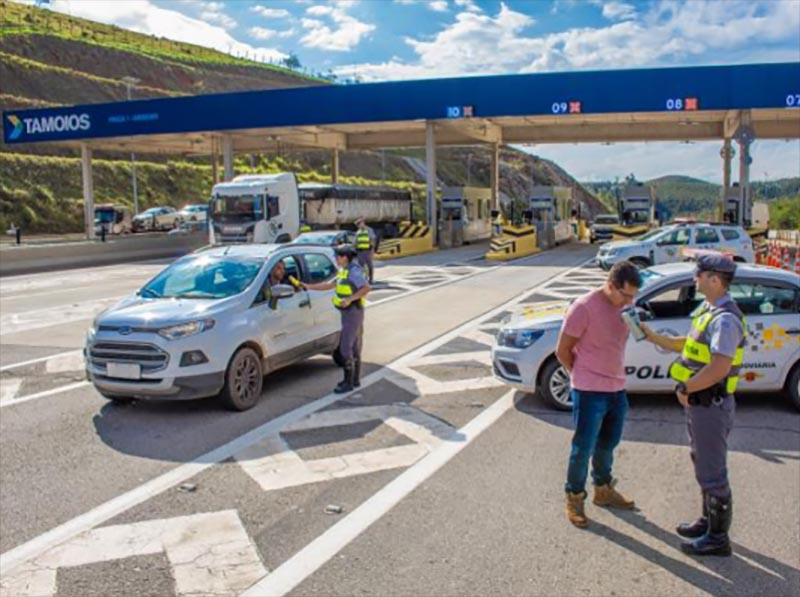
785, 262
797, 260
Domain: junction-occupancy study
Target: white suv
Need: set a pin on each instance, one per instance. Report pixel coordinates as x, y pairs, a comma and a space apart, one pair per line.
211, 323
666, 245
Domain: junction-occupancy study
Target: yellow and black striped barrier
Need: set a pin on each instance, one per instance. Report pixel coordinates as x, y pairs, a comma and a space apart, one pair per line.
513, 242
628, 232
413, 238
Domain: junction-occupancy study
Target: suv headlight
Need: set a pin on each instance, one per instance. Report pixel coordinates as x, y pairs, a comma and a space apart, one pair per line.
183, 330
518, 338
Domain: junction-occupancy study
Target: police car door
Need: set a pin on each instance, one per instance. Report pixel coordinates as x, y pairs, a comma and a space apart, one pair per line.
317, 268
670, 306
668, 246
286, 325
773, 332
706, 237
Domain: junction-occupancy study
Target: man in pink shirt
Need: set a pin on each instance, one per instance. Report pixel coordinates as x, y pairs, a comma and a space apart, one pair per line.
591, 348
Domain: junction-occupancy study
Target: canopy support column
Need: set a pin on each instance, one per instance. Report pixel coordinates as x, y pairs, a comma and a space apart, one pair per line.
88, 191
430, 177
495, 176
334, 166
227, 156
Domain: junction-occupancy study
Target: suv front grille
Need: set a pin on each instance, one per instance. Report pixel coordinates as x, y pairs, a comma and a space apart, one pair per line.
149, 357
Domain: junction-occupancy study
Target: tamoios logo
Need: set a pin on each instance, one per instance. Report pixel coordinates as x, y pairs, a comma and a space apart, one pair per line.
48, 124
17, 124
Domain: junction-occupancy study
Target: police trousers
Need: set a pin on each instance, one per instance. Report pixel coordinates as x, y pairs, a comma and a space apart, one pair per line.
352, 332
365, 261
709, 427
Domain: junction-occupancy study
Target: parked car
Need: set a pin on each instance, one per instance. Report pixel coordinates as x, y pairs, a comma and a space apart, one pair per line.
603, 227
326, 238
190, 227
194, 213
156, 218
665, 245
211, 324
524, 352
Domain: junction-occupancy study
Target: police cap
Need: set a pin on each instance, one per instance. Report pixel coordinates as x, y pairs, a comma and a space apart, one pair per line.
716, 263
348, 251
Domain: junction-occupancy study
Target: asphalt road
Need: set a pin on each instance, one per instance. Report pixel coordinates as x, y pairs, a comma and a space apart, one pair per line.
434, 479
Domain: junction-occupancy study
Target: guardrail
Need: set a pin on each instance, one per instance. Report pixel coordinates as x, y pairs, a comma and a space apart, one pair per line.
28, 259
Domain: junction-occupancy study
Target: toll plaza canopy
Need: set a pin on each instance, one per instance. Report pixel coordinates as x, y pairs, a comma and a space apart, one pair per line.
707, 102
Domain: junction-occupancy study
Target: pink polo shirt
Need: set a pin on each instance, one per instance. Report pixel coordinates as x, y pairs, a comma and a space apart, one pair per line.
600, 351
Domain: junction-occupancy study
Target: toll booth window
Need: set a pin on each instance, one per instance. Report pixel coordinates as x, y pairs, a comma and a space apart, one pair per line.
273, 206
676, 237
706, 235
318, 268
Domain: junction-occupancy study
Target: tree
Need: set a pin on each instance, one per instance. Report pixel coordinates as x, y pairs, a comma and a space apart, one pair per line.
292, 61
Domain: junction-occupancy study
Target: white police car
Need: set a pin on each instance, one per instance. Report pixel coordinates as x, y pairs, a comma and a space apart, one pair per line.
524, 353
210, 323
666, 244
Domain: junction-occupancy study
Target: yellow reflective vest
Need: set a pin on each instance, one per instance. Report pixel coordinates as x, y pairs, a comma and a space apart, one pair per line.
344, 289
697, 349
362, 241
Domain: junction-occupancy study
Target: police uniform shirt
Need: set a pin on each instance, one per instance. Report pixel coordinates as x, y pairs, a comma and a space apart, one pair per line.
725, 331
356, 276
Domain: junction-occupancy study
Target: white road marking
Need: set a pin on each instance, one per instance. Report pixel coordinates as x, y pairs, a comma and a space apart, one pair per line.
210, 554
32, 549
71, 361
9, 388
44, 318
10, 401
309, 559
273, 465
40, 360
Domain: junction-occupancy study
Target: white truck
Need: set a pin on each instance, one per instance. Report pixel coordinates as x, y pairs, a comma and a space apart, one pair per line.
260, 208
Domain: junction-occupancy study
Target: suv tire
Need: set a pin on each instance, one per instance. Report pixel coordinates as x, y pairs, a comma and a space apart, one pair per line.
554, 385
793, 386
244, 380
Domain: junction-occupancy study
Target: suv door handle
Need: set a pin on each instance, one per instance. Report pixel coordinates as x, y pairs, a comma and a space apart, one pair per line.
305, 303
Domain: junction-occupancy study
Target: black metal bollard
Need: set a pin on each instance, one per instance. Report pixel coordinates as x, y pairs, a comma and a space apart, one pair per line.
18, 233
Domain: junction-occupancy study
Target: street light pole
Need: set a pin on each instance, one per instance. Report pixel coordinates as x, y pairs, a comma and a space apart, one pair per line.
130, 82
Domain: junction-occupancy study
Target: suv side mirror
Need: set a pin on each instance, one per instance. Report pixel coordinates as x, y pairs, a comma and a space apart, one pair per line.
282, 291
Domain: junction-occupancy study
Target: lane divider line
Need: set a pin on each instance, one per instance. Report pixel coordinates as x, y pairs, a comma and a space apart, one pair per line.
39, 360
73, 386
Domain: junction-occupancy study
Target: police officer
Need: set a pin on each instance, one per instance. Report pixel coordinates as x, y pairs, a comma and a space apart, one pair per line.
707, 374
365, 242
351, 288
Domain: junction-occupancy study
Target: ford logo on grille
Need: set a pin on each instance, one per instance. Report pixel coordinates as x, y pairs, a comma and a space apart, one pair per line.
125, 330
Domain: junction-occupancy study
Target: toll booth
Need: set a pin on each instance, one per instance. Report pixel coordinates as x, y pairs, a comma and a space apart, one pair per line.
451, 224
550, 210
732, 207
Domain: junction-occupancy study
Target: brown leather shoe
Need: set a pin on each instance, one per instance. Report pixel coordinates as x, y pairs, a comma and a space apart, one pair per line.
575, 512
608, 497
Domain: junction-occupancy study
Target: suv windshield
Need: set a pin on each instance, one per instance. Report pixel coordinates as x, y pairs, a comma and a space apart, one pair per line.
315, 239
204, 277
237, 208
653, 233
104, 216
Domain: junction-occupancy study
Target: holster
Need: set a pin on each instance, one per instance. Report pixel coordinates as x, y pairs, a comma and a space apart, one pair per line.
708, 396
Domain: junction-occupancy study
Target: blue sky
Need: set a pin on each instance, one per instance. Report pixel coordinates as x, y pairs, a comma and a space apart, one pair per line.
379, 40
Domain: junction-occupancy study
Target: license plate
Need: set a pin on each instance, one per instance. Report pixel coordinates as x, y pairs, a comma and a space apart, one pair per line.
230, 229
124, 370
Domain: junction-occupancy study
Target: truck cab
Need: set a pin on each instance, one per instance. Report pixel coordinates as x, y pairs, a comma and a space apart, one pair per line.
260, 208
115, 219
637, 206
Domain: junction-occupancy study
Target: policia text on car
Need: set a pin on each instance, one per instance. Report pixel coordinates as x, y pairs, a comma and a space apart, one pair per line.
351, 288
707, 374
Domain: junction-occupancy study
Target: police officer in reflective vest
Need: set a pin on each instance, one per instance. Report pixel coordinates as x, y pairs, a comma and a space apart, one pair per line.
365, 241
351, 288
706, 375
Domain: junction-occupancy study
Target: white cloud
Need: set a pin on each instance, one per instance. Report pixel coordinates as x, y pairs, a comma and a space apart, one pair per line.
146, 17
468, 5
263, 33
270, 13
438, 5
667, 33
341, 33
592, 162
618, 11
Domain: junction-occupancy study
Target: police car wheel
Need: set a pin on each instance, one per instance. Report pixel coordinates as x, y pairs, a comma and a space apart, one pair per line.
244, 380
640, 263
554, 385
793, 386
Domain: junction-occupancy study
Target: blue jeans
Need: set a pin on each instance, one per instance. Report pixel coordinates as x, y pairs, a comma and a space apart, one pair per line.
598, 418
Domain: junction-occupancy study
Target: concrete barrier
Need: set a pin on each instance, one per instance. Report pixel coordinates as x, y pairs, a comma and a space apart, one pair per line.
413, 239
514, 242
28, 259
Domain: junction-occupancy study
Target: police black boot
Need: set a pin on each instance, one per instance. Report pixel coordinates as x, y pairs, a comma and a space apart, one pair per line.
698, 528
357, 373
716, 541
346, 385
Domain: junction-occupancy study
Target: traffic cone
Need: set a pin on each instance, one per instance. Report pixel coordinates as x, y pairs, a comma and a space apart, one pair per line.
785, 261
771, 260
797, 260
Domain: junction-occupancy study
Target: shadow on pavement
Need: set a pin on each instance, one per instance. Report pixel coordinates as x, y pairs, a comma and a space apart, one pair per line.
745, 573
766, 426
